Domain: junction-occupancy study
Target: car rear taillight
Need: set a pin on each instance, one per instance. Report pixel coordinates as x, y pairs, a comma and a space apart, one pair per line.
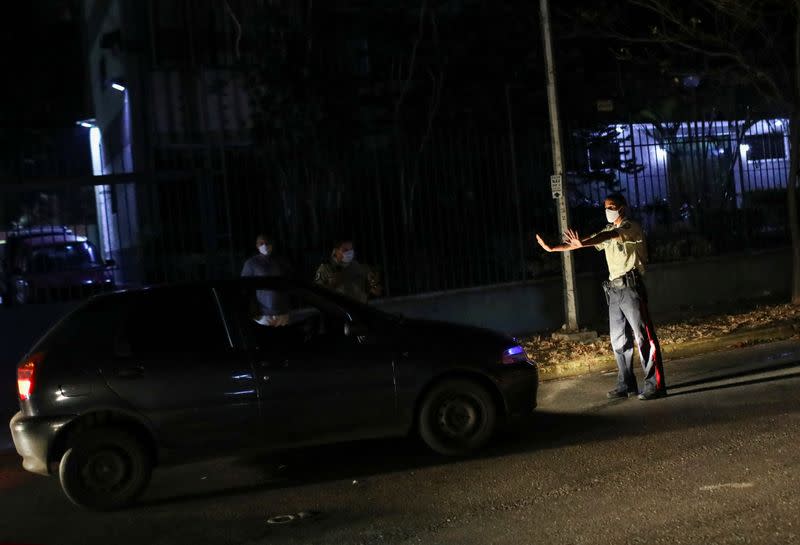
26, 373
515, 354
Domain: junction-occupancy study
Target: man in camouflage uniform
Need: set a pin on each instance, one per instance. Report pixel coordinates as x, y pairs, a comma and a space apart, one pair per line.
622, 240
343, 274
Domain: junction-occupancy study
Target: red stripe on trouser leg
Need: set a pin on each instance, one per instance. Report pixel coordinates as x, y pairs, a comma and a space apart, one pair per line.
655, 356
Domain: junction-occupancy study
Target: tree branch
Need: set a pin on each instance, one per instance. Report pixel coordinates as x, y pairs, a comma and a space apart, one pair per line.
412, 61
238, 29
737, 57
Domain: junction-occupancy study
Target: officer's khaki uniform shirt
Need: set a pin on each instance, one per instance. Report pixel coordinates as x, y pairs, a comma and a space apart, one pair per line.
627, 252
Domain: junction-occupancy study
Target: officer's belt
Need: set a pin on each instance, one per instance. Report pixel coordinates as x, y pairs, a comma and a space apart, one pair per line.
630, 278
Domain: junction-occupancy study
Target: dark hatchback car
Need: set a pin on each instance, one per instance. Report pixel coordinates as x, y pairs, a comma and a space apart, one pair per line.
51, 263
136, 379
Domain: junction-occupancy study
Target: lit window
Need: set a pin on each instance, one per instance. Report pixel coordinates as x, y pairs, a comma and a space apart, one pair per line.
765, 146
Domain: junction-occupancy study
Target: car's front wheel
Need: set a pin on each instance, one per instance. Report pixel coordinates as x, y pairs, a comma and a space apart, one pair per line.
104, 469
457, 417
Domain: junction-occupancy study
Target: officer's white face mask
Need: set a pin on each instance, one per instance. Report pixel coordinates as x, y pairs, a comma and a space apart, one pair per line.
264, 249
347, 257
612, 215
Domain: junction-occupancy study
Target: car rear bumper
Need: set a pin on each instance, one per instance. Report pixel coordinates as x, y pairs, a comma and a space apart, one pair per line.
33, 437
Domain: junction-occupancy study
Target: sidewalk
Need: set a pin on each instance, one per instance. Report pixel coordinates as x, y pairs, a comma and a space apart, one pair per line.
681, 338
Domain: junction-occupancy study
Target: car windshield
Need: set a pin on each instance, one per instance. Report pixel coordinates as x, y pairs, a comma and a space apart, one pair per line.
357, 311
64, 256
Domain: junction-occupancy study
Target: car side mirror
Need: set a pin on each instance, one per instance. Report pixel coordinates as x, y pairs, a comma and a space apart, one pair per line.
354, 329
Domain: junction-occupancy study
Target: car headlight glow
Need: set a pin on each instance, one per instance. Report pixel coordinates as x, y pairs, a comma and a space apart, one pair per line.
515, 354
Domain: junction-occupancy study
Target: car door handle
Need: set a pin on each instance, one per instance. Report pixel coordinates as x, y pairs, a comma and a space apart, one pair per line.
134, 371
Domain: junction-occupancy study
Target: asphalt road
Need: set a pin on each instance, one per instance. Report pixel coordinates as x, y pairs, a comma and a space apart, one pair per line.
715, 462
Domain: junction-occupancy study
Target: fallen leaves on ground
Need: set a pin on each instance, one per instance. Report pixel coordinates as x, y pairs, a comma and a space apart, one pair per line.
545, 350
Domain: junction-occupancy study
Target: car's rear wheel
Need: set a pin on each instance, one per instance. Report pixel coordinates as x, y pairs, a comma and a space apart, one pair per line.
104, 469
457, 417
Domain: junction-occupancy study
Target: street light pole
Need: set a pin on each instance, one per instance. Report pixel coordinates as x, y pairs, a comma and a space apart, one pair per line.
557, 180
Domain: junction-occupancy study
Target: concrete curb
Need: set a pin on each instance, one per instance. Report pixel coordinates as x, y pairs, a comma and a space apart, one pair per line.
584, 366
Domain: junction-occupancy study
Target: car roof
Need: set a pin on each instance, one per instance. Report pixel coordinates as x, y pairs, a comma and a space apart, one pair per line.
37, 230
251, 282
262, 282
50, 240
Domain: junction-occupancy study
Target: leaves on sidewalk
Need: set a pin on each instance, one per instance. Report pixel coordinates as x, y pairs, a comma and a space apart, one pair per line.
545, 350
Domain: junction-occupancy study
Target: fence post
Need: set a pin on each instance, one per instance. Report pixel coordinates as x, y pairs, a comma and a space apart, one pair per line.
635, 169
512, 146
228, 218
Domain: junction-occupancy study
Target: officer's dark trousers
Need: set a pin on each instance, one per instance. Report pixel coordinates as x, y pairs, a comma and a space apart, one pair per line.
629, 323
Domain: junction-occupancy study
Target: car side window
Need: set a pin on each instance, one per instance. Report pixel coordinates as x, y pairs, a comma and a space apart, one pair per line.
175, 321
303, 321
329, 328
89, 330
41, 263
269, 318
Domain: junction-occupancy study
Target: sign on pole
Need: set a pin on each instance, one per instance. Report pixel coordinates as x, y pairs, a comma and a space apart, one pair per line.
556, 186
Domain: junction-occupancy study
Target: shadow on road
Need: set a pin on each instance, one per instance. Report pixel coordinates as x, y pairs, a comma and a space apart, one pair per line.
738, 384
363, 459
738, 374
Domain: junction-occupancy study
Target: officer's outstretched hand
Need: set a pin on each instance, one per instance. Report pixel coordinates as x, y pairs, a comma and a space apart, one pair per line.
572, 239
543, 244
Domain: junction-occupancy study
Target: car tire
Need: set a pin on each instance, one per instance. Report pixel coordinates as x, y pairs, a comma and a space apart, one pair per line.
104, 469
457, 417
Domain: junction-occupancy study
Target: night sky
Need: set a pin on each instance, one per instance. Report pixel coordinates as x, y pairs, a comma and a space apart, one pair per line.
41, 51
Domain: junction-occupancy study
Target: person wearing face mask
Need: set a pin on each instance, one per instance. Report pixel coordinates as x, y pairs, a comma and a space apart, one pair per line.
630, 324
272, 306
343, 274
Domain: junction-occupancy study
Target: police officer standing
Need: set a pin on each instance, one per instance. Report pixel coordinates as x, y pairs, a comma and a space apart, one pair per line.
622, 240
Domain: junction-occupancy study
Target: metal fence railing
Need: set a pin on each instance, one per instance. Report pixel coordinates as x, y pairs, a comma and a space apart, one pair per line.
699, 188
455, 211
